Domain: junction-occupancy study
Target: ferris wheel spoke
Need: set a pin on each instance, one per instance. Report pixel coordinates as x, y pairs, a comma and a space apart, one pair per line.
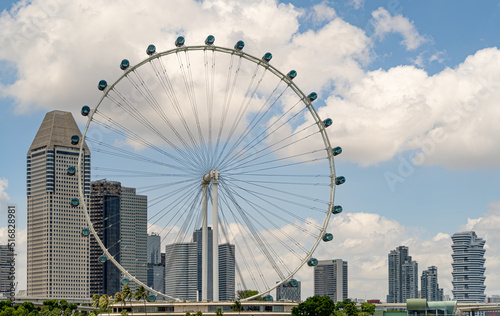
249, 248
231, 81
138, 140
164, 80
242, 154
290, 201
262, 196
259, 240
271, 214
209, 90
263, 111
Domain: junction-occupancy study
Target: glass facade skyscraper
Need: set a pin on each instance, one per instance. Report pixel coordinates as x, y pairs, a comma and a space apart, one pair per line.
468, 267
57, 252
403, 276
331, 278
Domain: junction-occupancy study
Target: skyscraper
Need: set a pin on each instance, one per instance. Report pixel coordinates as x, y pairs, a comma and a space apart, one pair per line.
227, 266
5, 255
119, 217
468, 267
287, 291
403, 276
181, 273
156, 269
154, 248
330, 278
57, 254
429, 285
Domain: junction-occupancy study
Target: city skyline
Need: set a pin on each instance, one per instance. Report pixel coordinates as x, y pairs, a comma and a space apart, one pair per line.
387, 199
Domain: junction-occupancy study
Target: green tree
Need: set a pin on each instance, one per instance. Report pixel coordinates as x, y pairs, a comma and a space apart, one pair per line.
28, 306
124, 312
350, 308
247, 293
187, 314
104, 303
315, 306
199, 313
118, 298
367, 308
218, 312
7, 311
127, 295
4, 305
95, 302
141, 294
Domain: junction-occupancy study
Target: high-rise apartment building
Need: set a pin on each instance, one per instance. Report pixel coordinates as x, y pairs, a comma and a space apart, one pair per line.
287, 291
198, 238
181, 271
403, 276
5, 256
429, 285
119, 217
57, 252
227, 268
330, 278
468, 267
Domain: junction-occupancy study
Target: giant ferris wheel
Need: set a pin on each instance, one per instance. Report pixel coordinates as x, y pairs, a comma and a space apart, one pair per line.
219, 140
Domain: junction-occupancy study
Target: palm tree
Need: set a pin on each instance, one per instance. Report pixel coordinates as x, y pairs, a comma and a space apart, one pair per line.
95, 300
119, 298
127, 294
237, 307
104, 303
141, 294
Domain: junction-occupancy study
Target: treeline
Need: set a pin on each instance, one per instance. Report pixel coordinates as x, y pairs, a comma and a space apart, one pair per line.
324, 306
49, 308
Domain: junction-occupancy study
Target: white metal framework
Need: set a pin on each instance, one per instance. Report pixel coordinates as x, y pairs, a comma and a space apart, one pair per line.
254, 142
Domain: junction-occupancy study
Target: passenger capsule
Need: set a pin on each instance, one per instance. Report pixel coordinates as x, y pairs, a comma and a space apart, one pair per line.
337, 151
312, 96
102, 258
337, 209
71, 171
267, 57
293, 283
85, 231
85, 110
210, 40
124, 281
312, 262
102, 85
268, 298
75, 139
179, 42
339, 180
292, 74
327, 122
239, 45
151, 50
125, 63
75, 202
327, 237
152, 298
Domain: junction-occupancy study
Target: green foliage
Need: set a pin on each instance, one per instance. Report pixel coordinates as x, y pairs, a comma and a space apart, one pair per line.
187, 314
199, 313
124, 312
350, 308
247, 293
367, 308
218, 312
237, 306
4, 305
315, 306
7, 311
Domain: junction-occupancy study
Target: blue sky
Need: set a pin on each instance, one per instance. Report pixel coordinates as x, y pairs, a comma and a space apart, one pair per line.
412, 69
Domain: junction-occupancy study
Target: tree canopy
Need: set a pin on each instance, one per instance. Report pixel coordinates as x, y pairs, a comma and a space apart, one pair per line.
315, 306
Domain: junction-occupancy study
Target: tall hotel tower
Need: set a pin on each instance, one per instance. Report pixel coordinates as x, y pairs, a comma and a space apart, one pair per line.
58, 254
330, 278
403, 276
468, 267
